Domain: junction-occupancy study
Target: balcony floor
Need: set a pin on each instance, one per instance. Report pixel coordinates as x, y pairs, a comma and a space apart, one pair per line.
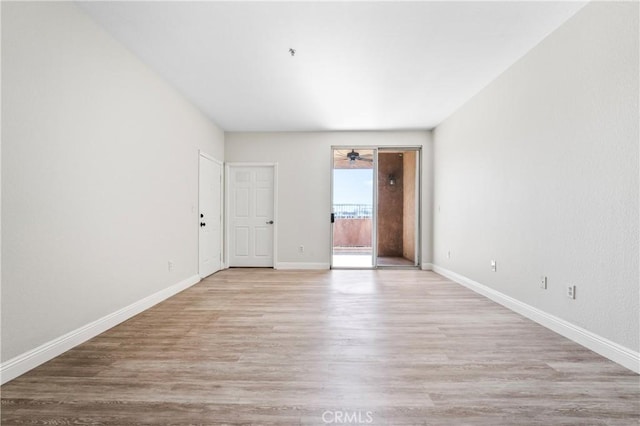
362, 257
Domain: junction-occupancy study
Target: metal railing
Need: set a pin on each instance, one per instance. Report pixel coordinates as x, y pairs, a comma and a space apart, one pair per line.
352, 211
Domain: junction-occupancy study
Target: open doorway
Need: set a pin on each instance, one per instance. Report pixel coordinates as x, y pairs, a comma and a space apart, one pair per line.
398, 208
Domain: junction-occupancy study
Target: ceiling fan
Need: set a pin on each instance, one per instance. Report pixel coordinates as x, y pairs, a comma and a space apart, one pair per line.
353, 156
351, 159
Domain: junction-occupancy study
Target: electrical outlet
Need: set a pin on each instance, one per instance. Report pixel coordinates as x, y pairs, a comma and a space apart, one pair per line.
170, 266
301, 249
543, 282
571, 291
494, 266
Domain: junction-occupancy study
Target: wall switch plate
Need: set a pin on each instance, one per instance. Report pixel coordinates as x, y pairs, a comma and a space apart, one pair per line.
449, 254
543, 282
494, 266
170, 266
571, 291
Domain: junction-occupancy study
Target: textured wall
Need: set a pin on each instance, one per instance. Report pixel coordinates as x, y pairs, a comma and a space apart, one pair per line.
390, 205
304, 182
540, 172
99, 175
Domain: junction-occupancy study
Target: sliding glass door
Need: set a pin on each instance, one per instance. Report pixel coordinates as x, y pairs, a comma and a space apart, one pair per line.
375, 207
353, 201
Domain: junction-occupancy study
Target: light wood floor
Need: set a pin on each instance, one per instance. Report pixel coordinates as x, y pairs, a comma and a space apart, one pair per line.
255, 346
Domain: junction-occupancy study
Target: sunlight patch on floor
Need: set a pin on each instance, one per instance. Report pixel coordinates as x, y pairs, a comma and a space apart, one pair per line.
352, 261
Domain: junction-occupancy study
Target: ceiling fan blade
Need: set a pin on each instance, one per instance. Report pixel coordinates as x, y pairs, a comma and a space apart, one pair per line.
365, 159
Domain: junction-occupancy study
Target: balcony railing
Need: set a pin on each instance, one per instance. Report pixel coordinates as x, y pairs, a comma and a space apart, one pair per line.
352, 211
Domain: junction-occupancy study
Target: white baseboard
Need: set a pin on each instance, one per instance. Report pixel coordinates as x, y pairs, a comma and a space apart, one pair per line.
617, 353
301, 265
427, 267
20, 364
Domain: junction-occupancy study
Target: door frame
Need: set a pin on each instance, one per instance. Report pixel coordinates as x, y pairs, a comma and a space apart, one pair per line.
374, 222
211, 158
374, 207
227, 170
418, 230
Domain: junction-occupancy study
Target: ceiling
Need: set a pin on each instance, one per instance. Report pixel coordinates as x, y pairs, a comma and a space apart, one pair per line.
357, 66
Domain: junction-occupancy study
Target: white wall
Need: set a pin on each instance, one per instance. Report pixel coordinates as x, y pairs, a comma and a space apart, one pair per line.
540, 172
304, 161
99, 175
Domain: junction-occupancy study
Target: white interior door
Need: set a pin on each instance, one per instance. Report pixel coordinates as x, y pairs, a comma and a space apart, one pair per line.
210, 216
251, 215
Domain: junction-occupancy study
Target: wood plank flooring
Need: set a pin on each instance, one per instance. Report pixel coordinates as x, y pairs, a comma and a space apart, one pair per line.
258, 346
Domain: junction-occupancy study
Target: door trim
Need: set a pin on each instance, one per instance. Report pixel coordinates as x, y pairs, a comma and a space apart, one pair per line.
227, 169
197, 212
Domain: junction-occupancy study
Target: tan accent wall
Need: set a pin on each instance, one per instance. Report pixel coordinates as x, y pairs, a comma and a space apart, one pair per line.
409, 205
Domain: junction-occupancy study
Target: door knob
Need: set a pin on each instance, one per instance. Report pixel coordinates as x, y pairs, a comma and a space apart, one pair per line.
269, 222
202, 224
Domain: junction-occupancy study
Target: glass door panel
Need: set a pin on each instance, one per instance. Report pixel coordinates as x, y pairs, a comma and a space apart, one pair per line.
353, 208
